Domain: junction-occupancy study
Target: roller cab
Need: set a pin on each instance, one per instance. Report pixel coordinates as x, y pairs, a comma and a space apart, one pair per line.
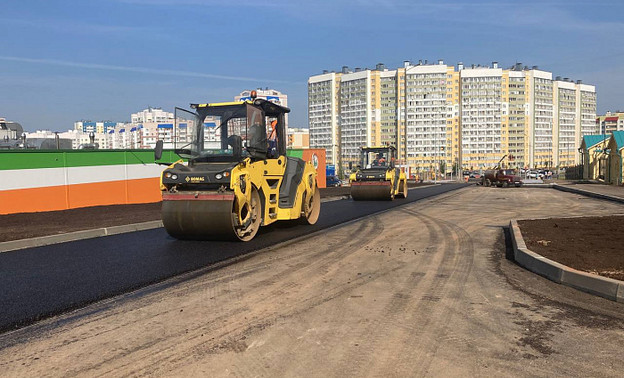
237, 177
377, 177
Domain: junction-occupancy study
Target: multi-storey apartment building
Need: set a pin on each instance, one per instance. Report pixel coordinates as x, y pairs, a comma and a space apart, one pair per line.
564, 123
99, 127
483, 133
610, 122
515, 94
151, 114
10, 131
324, 113
431, 94
587, 103
385, 108
127, 137
356, 121
298, 138
540, 112
443, 116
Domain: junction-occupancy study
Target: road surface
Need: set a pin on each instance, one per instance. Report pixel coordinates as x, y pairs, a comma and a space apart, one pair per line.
424, 289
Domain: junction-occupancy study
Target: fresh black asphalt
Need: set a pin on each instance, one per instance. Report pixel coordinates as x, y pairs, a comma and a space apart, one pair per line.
41, 282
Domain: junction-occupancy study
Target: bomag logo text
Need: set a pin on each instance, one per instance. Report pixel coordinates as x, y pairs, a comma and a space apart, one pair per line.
195, 179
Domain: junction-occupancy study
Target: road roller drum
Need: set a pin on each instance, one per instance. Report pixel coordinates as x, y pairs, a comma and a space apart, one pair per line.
371, 191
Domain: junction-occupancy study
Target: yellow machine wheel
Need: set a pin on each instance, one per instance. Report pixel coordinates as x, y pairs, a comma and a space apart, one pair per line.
311, 207
250, 217
402, 189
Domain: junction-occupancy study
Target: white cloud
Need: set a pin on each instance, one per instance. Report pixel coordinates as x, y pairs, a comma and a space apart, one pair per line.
69, 26
142, 70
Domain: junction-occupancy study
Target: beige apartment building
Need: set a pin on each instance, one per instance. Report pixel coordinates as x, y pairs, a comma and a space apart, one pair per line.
610, 122
357, 116
298, 138
483, 130
324, 113
565, 123
432, 117
444, 118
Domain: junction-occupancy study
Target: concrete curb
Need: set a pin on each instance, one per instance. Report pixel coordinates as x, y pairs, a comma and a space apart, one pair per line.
594, 284
567, 188
78, 235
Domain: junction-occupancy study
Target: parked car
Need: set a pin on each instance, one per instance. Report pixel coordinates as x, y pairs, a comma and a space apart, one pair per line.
535, 175
332, 181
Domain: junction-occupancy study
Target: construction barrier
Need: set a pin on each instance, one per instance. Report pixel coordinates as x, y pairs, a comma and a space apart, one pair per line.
48, 180
318, 157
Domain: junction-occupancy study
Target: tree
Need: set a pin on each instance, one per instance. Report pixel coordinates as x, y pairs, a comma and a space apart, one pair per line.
443, 167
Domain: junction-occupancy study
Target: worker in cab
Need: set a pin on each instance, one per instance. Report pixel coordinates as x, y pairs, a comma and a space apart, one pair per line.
377, 160
272, 140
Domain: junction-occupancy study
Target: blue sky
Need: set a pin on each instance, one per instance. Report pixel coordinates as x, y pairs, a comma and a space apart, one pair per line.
63, 61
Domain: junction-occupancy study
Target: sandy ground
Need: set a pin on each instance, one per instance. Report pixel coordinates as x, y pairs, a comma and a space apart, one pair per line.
421, 290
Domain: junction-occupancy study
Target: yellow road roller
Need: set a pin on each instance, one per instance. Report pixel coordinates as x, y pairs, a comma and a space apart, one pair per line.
377, 177
237, 176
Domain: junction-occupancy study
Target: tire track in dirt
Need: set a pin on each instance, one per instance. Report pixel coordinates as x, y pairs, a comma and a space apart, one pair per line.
288, 277
311, 271
374, 338
219, 280
302, 308
432, 305
219, 290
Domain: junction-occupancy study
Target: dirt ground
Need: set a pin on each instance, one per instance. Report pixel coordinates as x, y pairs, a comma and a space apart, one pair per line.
424, 289
591, 244
30, 225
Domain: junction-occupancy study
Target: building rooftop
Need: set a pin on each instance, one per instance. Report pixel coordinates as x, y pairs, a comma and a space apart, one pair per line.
592, 140
619, 139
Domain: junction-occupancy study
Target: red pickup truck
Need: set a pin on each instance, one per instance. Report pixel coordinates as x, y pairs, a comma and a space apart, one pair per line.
501, 178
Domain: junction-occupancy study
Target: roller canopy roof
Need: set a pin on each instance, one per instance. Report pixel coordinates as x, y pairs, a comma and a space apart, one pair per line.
240, 108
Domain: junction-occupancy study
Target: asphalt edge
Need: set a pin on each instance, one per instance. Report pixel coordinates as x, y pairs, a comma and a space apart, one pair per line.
591, 283
220, 264
40, 241
216, 266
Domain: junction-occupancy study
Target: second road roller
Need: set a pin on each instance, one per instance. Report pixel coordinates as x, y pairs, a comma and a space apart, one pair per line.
236, 177
377, 177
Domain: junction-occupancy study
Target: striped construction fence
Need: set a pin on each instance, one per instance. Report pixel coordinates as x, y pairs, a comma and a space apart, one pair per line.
48, 180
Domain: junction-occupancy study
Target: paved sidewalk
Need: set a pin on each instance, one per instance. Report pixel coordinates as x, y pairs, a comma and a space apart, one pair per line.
594, 187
